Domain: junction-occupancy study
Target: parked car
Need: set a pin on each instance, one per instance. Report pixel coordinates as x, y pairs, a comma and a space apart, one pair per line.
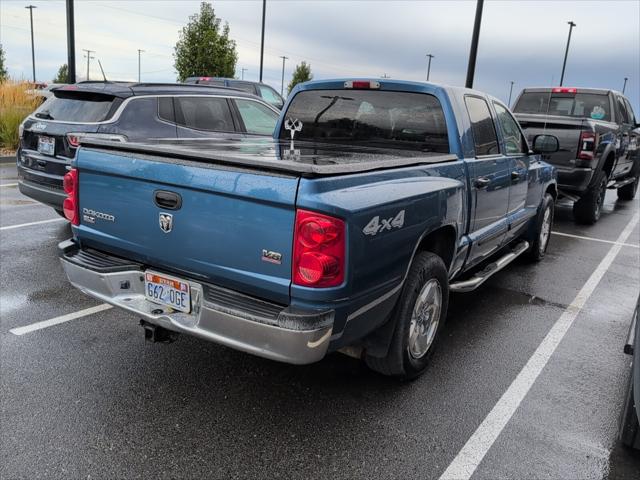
374, 200
127, 112
629, 426
262, 90
599, 142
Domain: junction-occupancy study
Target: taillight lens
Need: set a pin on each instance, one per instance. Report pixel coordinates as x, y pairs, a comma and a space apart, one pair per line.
70, 204
318, 250
73, 140
587, 146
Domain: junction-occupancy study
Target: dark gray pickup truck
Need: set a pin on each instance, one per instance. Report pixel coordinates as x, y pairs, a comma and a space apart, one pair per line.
599, 140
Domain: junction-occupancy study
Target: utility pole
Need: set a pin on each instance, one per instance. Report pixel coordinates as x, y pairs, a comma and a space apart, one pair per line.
510, 92
625, 84
139, 52
89, 57
282, 81
264, 11
71, 44
242, 73
33, 51
429, 66
473, 53
566, 52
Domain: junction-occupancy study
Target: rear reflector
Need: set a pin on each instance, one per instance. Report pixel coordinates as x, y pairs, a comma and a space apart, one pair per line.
363, 84
564, 90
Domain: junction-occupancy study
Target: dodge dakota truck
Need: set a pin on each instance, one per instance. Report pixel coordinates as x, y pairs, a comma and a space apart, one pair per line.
599, 140
347, 230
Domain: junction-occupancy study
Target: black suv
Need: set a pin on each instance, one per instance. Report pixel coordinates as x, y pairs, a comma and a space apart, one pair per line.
262, 90
124, 112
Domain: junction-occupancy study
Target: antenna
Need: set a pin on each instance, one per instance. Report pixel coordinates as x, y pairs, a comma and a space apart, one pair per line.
103, 75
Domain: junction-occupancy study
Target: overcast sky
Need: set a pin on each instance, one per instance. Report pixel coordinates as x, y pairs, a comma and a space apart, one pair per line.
520, 40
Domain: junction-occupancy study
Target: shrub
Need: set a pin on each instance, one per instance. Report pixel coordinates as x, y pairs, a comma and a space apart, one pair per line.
15, 104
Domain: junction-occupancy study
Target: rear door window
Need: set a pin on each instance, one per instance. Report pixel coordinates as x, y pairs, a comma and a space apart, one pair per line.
589, 105
77, 106
165, 109
632, 117
514, 142
484, 131
257, 118
403, 120
623, 116
204, 113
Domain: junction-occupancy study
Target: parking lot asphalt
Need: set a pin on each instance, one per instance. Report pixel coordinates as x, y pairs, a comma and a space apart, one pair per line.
88, 398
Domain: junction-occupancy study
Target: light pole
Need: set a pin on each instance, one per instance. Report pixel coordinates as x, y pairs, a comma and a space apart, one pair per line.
242, 73
473, 53
282, 81
625, 84
264, 11
89, 57
429, 66
566, 52
139, 52
33, 52
510, 92
71, 44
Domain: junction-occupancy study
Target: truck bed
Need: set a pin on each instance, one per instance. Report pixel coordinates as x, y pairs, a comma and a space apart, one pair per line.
307, 159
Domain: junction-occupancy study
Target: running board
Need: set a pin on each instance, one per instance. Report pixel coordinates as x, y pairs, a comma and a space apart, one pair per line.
494, 267
622, 183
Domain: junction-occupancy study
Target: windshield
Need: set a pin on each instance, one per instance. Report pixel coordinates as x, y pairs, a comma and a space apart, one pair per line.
79, 107
413, 121
590, 105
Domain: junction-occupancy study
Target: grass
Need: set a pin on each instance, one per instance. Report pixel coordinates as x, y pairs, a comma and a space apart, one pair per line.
15, 105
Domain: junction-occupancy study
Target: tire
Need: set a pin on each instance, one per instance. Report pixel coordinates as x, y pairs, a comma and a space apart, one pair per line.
629, 432
541, 234
419, 317
587, 210
628, 192
60, 212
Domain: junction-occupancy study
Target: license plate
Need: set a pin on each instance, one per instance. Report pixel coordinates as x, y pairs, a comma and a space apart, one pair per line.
47, 145
169, 291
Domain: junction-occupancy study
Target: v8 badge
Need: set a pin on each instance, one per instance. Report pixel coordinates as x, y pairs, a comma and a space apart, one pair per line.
377, 225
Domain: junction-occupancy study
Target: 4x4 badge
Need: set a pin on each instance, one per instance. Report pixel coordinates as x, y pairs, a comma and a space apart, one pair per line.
166, 222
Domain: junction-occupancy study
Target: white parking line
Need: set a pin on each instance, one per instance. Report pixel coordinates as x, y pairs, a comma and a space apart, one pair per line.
8, 184
611, 242
468, 459
11, 227
58, 320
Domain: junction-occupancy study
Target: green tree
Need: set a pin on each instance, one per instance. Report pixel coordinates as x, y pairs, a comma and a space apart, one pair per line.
63, 74
204, 47
302, 73
3, 69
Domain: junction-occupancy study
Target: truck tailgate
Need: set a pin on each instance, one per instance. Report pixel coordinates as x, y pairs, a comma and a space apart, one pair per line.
565, 128
226, 218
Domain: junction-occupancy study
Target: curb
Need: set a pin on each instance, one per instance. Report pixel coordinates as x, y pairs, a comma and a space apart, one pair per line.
4, 159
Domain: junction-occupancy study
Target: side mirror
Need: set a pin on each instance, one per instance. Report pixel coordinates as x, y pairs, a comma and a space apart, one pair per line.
545, 144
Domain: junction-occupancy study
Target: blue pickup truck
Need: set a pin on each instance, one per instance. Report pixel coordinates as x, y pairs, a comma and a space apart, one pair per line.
347, 230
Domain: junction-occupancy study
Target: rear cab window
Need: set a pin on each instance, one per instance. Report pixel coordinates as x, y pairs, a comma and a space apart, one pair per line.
370, 118
485, 138
75, 106
580, 105
244, 86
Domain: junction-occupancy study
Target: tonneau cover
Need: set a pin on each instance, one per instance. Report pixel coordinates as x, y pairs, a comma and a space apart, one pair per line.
305, 158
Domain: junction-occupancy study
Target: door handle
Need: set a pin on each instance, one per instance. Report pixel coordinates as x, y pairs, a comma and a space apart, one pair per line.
482, 182
515, 175
167, 200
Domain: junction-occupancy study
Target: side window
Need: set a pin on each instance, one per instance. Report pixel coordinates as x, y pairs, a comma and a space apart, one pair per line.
269, 95
622, 116
514, 141
257, 118
165, 109
204, 113
632, 117
484, 131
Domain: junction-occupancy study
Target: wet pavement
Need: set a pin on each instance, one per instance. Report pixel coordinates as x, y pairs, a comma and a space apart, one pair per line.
89, 398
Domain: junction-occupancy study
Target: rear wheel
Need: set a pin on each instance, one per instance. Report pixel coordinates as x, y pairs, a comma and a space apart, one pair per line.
589, 208
419, 317
542, 232
628, 192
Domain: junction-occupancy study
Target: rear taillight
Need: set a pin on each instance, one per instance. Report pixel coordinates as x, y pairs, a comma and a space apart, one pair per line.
73, 140
70, 205
318, 250
587, 146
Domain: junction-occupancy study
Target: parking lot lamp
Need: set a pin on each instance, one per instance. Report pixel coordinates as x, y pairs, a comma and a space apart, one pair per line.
510, 92
625, 85
473, 53
429, 65
71, 44
242, 70
33, 54
282, 81
264, 10
566, 52
139, 52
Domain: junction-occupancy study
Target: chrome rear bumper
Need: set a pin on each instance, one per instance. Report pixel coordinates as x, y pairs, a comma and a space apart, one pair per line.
220, 315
